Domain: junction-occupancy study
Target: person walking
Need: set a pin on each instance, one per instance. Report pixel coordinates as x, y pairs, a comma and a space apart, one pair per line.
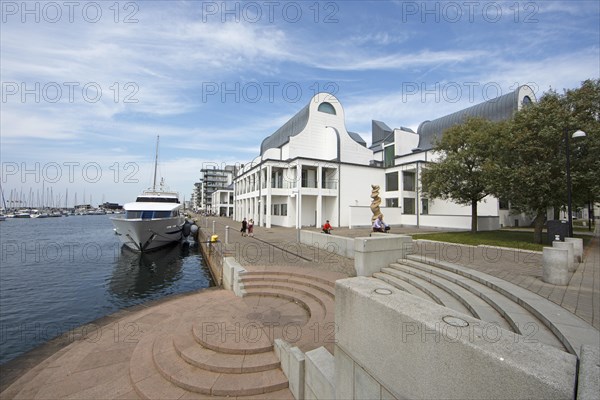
251, 227
244, 227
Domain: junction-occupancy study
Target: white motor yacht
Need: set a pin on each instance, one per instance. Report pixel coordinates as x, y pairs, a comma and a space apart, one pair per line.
153, 220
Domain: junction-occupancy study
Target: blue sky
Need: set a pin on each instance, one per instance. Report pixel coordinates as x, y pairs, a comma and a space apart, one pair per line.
87, 86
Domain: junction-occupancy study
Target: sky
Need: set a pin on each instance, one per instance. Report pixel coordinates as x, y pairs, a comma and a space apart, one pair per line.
88, 86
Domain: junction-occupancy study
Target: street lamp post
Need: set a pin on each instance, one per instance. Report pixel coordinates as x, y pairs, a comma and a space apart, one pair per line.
577, 134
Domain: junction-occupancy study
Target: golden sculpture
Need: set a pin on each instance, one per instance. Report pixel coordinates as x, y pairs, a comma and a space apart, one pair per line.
375, 203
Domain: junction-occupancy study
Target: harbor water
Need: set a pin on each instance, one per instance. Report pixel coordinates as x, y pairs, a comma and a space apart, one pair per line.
57, 274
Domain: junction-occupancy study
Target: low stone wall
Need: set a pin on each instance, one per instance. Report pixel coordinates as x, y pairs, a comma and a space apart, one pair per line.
340, 245
231, 272
588, 384
406, 347
378, 251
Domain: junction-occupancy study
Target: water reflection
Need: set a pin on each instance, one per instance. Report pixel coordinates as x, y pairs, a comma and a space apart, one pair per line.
137, 276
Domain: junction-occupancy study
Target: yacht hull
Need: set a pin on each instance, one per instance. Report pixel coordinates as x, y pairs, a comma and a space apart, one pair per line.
148, 234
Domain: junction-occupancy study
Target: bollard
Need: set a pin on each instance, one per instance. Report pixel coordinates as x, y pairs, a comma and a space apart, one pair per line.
571, 249
227, 234
214, 224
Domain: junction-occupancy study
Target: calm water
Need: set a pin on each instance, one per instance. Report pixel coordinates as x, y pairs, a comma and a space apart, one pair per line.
59, 273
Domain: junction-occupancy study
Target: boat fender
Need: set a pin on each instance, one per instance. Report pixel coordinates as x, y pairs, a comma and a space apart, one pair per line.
194, 229
187, 228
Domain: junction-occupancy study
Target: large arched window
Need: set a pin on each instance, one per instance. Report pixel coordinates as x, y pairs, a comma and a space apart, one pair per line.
327, 108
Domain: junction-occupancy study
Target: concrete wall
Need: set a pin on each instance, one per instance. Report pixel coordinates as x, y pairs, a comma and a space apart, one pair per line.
339, 245
231, 272
373, 253
412, 348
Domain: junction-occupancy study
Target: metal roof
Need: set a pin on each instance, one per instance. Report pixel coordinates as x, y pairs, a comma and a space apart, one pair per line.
357, 138
497, 109
294, 126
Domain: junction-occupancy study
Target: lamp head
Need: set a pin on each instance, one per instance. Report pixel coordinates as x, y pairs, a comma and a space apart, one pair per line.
578, 134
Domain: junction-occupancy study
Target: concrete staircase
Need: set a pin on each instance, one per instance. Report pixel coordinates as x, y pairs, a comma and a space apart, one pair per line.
228, 353
492, 300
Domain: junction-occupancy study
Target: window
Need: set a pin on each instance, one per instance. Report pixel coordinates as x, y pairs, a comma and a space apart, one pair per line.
503, 204
408, 181
391, 202
284, 209
275, 209
424, 206
327, 108
409, 205
391, 181
388, 156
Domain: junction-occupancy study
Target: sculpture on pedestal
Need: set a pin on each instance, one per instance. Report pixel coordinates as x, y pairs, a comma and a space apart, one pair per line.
375, 203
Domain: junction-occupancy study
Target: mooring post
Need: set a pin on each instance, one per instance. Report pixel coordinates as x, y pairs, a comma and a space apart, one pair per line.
227, 234
214, 224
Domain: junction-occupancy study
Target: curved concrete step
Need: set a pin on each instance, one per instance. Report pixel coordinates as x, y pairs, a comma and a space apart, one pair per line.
518, 319
403, 285
439, 295
478, 307
324, 288
289, 275
570, 330
323, 300
193, 353
194, 379
232, 337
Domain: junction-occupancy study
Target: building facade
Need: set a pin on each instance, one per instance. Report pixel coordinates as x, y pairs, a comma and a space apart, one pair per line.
313, 169
212, 179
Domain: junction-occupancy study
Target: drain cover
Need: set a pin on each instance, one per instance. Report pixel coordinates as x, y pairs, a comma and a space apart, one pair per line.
455, 321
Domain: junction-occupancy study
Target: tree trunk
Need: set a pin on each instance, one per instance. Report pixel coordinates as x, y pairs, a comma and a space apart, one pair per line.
474, 216
538, 225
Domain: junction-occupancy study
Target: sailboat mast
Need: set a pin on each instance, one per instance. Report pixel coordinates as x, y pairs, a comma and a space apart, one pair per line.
155, 163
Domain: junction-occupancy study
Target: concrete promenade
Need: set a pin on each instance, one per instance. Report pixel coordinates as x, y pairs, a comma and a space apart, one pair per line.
134, 353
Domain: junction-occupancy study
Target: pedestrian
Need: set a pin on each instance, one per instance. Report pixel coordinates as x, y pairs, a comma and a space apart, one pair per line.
379, 225
327, 227
244, 227
251, 227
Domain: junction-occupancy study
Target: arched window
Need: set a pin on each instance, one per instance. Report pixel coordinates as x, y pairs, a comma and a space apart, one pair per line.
526, 101
327, 108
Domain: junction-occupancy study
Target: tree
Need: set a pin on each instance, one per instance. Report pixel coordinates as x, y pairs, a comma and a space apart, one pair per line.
584, 105
460, 175
529, 166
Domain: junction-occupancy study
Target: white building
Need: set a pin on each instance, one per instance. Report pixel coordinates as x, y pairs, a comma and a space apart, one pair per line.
222, 202
314, 165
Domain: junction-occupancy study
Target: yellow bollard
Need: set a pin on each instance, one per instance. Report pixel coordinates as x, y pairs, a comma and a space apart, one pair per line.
214, 238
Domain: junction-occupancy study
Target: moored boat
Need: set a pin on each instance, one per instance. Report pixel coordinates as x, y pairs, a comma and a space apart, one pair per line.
153, 220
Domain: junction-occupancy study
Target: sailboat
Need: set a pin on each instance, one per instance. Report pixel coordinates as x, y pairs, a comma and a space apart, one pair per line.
153, 220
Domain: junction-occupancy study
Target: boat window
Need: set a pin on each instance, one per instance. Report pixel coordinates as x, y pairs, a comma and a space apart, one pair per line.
162, 214
133, 214
147, 214
143, 199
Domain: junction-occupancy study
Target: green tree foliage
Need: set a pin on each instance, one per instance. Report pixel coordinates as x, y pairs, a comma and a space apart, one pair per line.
460, 174
584, 105
529, 153
529, 168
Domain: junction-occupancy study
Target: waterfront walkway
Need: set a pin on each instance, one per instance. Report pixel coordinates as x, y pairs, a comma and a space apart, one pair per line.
212, 343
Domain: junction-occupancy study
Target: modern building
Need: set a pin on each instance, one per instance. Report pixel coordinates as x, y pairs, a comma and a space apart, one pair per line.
313, 169
222, 202
212, 179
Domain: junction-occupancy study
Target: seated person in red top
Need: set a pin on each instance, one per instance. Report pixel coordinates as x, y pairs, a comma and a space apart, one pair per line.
327, 228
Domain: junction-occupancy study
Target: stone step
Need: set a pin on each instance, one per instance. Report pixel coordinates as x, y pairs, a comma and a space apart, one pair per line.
232, 337
318, 329
443, 297
191, 378
193, 353
520, 318
324, 288
402, 285
478, 307
290, 275
323, 300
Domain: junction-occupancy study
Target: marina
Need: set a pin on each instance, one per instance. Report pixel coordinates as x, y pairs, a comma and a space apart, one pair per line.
60, 273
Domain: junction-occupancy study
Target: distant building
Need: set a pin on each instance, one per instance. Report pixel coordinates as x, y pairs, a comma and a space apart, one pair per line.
213, 179
313, 169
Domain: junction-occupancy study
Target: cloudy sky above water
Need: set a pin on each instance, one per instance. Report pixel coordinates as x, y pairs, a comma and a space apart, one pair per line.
87, 86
